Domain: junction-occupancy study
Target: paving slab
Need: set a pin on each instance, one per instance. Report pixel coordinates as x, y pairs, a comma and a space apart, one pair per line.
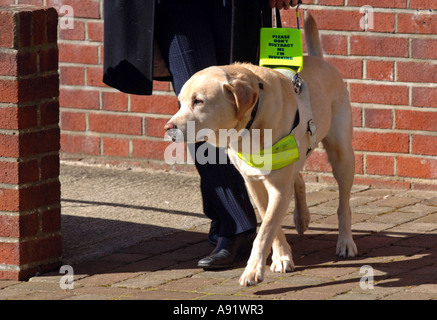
137, 234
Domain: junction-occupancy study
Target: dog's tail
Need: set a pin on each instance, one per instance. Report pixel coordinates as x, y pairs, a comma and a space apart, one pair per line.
312, 38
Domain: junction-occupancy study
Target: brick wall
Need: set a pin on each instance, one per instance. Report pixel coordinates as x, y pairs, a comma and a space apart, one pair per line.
390, 70
30, 224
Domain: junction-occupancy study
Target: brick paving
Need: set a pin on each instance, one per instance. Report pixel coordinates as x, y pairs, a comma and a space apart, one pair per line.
395, 231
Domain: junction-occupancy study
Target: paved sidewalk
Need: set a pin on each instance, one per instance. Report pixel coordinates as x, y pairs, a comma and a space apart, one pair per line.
138, 234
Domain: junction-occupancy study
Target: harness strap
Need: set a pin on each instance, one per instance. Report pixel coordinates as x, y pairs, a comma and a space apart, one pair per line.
255, 109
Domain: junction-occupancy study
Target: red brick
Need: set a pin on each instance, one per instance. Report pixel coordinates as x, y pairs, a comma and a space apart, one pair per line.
378, 118
424, 48
25, 28
382, 94
8, 64
73, 121
9, 90
337, 19
9, 200
51, 220
95, 77
379, 165
334, 44
359, 163
381, 142
116, 147
77, 33
421, 22
29, 144
417, 72
161, 85
10, 146
114, 101
40, 142
423, 4
330, 2
379, 46
50, 167
52, 25
349, 68
40, 195
7, 26
161, 104
9, 172
416, 120
426, 145
72, 76
150, 149
18, 226
78, 53
154, 127
383, 184
37, 88
80, 144
19, 172
40, 249
378, 3
48, 60
14, 64
83, 99
424, 97
383, 22
49, 113
318, 161
109, 123
10, 253
380, 70
82, 8
357, 117
417, 167
95, 31
39, 26
14, 118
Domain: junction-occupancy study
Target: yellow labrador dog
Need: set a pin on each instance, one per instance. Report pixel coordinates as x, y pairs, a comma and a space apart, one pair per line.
225, 97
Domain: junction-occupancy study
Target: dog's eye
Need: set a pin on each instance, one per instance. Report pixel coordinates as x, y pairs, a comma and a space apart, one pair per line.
197, 102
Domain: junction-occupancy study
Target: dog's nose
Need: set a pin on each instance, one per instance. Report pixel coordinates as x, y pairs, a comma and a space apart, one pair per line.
170, 125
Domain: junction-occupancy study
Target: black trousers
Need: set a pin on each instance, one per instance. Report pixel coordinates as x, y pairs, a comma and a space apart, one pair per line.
193, 35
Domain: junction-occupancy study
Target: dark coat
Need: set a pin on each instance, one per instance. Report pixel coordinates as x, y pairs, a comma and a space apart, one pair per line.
129, 43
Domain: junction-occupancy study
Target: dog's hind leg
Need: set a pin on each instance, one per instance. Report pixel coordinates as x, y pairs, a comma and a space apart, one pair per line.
338, 145
301, 215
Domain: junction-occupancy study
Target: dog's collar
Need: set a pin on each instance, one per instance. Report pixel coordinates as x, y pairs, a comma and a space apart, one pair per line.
255, 109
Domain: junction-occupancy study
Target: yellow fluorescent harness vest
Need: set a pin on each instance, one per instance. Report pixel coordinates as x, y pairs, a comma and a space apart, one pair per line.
281, 154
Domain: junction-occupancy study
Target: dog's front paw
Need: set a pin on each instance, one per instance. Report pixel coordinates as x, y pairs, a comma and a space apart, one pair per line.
282, 264
346, 247
253, 274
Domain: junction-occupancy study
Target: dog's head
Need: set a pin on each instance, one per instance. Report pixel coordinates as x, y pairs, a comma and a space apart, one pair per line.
213, 99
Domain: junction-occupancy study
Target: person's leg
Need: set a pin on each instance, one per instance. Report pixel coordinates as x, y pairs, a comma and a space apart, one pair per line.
188, 44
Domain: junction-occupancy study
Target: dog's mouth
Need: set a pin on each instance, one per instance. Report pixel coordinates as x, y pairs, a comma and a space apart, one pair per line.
177, 135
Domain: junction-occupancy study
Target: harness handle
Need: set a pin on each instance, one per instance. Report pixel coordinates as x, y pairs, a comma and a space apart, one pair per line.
274, 16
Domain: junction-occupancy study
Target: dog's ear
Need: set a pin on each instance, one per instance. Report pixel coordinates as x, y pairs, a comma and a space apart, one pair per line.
244, 94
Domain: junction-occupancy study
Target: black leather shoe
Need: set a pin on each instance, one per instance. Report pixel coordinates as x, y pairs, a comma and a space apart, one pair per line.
229, 252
